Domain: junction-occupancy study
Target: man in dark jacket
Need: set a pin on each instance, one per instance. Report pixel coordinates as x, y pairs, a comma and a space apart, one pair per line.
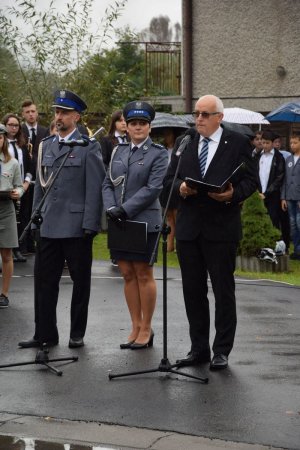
208, 228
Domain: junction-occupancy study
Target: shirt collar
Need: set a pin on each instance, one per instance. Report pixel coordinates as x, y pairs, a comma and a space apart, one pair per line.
31, 126
66, 138
268, 153
139, 145
216, 136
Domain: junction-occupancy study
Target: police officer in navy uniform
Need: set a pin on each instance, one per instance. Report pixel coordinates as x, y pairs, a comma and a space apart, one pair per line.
131, 191
71, 218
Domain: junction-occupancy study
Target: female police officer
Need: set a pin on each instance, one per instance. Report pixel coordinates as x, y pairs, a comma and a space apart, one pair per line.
130, 191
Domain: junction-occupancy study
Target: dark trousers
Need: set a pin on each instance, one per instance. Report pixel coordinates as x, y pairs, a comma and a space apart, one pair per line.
197, 259
49, 264
279, 218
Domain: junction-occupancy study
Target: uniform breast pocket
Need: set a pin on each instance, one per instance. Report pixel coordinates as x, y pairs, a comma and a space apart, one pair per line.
72, 168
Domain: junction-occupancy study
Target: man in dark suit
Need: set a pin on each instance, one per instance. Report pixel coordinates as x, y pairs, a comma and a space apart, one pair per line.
208, 228
33, 133
71, 218
271, 170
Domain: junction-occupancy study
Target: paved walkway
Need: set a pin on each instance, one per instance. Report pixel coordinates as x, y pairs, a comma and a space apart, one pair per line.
255, 404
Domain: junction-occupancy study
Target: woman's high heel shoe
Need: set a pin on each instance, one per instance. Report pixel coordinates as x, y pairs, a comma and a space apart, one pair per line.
126, 345
136, 346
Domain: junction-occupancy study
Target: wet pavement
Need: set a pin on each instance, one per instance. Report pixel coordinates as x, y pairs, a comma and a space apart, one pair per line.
254, 404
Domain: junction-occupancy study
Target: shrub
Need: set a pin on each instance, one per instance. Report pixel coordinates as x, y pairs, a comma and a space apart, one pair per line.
258, 230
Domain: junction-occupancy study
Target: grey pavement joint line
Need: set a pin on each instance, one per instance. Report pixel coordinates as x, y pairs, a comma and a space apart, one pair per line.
115, 436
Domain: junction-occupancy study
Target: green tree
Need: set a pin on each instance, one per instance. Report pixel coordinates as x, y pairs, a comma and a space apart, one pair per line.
50, 44
117, 75
258, 230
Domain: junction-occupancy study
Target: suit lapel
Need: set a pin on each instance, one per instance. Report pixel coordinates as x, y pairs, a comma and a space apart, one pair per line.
223, 144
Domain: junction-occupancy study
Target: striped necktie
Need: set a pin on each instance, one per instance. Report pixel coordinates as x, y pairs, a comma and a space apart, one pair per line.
203, 155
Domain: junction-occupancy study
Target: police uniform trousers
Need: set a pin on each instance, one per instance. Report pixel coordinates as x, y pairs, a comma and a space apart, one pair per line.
199, 258
49, 264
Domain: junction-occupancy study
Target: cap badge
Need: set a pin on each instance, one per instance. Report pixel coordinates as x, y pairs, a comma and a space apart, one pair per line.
62, 94
138, 105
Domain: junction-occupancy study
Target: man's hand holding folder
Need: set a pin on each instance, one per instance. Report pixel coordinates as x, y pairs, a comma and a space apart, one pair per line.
202, 186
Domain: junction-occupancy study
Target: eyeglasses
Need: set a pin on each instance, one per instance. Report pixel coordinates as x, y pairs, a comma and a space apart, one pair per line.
204, 114
13, 125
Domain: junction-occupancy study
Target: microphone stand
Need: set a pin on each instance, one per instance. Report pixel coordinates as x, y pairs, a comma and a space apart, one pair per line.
165, 365
42, 357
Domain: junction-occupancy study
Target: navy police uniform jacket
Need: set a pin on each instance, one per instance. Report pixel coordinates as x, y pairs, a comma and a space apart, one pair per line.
74, 202
135, 182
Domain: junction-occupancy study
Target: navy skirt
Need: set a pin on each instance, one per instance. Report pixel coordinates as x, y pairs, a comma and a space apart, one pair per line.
143, 257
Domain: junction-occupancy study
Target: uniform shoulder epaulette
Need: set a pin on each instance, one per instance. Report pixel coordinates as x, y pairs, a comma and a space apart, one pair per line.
158, 145
48, 137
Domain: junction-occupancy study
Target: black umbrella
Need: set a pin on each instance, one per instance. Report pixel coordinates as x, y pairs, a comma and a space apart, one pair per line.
239, 128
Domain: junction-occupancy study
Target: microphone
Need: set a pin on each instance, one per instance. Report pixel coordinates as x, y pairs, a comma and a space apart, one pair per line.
84, 142
188, 136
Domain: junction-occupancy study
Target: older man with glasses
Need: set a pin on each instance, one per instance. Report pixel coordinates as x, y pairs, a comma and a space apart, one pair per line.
208, 228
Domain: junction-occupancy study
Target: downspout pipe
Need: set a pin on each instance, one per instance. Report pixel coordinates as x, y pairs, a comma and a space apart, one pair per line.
187, 13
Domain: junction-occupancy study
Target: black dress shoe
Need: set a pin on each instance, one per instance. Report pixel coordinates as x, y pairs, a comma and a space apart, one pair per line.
76, 342
136, 346
194, 358
219, 362
33, 343
18, 257
126, 345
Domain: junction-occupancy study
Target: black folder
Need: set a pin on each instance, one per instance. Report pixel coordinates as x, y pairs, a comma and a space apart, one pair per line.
5, 195
201, 186
127, 236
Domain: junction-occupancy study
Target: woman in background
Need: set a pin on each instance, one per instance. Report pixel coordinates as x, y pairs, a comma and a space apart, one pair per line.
117, 134
11, 188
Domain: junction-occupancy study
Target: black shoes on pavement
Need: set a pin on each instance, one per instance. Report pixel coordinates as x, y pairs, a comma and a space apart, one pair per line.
4, 302
219, 362
76, 342
33, 343
18, 257
194, 358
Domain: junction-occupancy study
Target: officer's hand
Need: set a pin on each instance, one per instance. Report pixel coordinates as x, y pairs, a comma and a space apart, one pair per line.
89, 234
116, 214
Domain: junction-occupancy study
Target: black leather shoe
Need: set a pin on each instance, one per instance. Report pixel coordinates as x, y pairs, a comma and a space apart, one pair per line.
194, 358
33, 343
126, 345
219, 362
76, 342
18, 257
136, 346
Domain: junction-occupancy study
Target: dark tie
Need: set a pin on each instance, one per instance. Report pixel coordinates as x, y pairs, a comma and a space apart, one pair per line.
13, 143
33, 136
203, 155
61, 144
123, 138
134, 149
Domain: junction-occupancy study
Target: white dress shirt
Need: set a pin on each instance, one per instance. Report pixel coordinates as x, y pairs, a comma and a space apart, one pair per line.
265, 163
